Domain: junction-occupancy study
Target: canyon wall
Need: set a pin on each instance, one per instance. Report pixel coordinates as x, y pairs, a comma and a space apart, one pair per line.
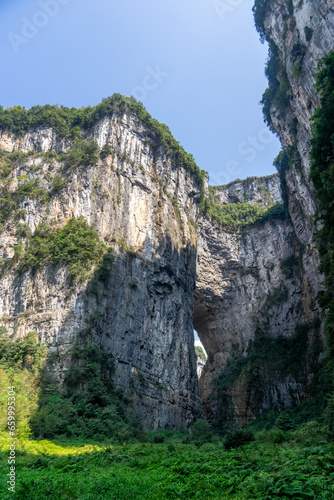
144, 207
249, 286
303, 33
257, 289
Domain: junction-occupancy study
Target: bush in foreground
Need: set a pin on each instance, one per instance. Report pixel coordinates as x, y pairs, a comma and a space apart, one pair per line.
238, 438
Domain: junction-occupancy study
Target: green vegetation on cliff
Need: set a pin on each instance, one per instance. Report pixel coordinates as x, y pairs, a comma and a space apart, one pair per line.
259, 11
10, 200
234, 216
89, 406
276, 98
69, 122
82, 154
322, 176
199, 352
278, 94
76, 245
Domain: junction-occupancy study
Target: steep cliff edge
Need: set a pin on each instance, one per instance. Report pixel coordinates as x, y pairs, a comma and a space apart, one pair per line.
299, 35
249, 309
143, 202
100, 236
256, 298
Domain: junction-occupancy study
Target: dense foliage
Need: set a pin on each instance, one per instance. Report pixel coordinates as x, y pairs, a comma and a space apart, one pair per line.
8, 161
162, 464
21, 362
322, 175
237, 215
302, 467
259, 11
82, 154
26, 353
76, 245
89, 407
278, 94
237, 438
275, 212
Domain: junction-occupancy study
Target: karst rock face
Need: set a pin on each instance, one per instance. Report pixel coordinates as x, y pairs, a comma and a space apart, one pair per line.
142, 315
303, 32
241, 287
240, 275
174, 268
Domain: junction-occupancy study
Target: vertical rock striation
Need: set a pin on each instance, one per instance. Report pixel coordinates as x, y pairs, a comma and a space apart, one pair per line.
248, 284
144, 206
303, 33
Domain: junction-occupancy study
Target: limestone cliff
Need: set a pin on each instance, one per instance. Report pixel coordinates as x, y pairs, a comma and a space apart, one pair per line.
257, 289
249, 284
303, 33
144, 206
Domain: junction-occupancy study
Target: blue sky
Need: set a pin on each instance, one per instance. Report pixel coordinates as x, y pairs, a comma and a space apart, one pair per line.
197, 65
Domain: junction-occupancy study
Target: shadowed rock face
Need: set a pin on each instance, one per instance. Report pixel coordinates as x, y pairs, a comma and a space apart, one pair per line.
302, 37
142, 314
236, 274
165, 269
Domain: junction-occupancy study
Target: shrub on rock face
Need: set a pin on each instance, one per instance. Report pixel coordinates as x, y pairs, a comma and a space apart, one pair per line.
76, 245
238, 438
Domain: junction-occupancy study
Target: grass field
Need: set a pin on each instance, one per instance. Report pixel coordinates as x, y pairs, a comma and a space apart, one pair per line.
297, 468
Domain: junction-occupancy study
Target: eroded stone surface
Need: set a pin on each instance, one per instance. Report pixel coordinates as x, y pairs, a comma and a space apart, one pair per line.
235, 275
142, 317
